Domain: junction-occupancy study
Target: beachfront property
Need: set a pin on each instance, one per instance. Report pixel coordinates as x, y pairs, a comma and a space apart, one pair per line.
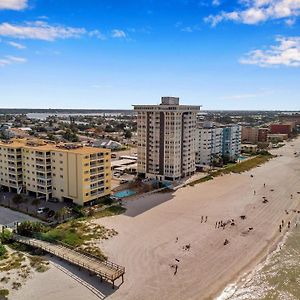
217, 141
254, 135
166, 139
209, 142
68, 172
231, 148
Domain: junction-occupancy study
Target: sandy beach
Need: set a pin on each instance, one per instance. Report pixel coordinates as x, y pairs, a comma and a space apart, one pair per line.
147, 242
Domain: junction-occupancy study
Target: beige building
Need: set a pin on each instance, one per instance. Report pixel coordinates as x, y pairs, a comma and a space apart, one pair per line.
166, 139
68, 172
250, 134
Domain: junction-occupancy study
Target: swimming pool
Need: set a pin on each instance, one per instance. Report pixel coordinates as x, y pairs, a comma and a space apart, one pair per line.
124, 194
241, 158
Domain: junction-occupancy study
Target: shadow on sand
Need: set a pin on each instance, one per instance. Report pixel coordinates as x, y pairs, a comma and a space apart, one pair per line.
91, 282
141, 204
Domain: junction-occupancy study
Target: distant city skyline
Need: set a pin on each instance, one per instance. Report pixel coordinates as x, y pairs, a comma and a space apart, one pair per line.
221, 54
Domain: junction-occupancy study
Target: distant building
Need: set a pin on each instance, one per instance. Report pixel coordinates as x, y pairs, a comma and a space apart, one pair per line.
248, 148
253, 135
232, 142
209, 140
263, 135
215, 142
108, 144
249, 134
277, 137
281, 129
166, 139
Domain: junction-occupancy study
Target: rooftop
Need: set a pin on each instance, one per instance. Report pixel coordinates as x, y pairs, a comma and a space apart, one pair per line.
41, 145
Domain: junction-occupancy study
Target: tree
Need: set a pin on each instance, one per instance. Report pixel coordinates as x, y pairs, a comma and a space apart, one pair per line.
71, 136
61, 214
28, 228
17, 199
36, 202
127, 134
5, 236
51, 136
109, 128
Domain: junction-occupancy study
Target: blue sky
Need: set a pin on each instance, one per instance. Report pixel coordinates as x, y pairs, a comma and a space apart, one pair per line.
221, 54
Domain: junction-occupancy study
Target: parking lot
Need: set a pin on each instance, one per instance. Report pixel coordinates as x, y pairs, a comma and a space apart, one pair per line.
29, 206
8, 216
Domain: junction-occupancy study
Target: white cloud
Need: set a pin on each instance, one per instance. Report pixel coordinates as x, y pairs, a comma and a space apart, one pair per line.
13, 4
257, 11
216, 2
40, 30
286, 53
290, 22
97, 34
9, 59
117, 33
16, 45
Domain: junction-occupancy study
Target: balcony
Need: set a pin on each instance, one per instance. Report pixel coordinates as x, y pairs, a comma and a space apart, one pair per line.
11, 170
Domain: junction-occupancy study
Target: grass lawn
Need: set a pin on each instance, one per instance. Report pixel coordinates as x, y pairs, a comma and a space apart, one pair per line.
109, 211
236, 168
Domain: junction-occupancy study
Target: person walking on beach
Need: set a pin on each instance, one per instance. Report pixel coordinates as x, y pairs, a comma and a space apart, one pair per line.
205, 219
254, 192
282, 222
201, 219
289, 224
176, 239
291, 196
280, 228
176, 268
264, 185
216, 225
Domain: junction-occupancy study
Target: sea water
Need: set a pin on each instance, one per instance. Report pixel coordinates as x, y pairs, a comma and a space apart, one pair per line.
278, 277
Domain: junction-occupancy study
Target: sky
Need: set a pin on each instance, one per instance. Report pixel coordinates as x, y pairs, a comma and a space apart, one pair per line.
102, 54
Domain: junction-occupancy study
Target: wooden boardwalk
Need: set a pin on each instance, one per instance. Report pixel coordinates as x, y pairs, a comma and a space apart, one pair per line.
106, 270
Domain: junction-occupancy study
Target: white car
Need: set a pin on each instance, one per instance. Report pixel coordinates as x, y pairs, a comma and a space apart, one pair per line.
41, 210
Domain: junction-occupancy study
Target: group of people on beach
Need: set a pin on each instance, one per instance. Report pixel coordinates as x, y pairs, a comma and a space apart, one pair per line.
186, 247
281, 225
222, 224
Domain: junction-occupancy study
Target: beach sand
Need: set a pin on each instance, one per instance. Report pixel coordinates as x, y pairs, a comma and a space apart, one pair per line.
146, 244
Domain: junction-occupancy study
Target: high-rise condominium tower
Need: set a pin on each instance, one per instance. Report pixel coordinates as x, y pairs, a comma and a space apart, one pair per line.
166, 139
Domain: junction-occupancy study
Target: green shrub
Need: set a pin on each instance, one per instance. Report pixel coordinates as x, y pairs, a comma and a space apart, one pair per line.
27, 228
5, 236
2, 251
4, 292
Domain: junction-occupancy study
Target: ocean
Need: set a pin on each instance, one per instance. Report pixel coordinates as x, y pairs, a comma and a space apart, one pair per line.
278, 277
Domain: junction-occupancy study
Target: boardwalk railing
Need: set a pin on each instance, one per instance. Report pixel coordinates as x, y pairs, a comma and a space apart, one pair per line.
106, 270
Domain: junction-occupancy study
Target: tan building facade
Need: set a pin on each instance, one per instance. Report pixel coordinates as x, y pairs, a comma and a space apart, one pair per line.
166, 139
68, 172
249, 134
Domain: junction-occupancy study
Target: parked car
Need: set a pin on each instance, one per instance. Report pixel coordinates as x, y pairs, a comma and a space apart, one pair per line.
123, 181
53, 200
41, 210
113, 155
